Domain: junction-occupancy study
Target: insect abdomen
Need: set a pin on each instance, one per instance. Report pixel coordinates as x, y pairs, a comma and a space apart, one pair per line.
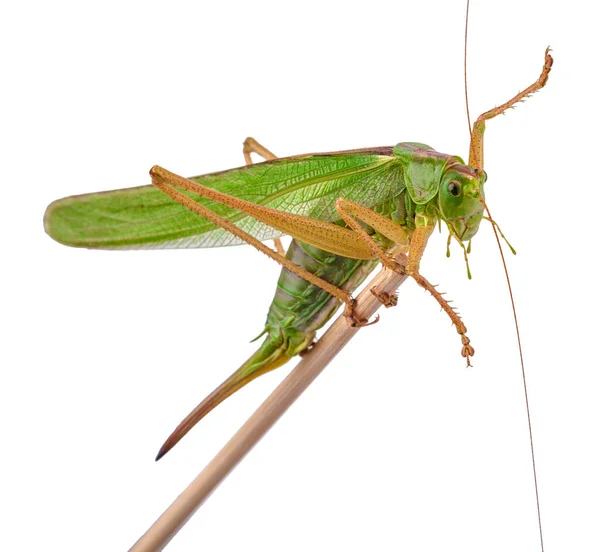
300, 308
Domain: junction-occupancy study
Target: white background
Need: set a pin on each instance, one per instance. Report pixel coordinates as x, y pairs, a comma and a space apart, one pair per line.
396, 446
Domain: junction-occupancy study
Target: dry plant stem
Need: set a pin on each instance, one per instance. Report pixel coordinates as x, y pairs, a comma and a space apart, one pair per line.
311, 365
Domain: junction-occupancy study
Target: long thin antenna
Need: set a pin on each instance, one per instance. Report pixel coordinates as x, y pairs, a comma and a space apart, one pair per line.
465, 69
514, 310
476, 160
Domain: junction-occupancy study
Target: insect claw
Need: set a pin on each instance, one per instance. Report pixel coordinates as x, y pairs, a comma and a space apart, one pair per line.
467, 349
362, 323
374, 321
386, 299
353, 320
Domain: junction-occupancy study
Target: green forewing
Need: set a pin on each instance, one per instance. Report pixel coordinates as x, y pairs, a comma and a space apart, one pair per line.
144, 217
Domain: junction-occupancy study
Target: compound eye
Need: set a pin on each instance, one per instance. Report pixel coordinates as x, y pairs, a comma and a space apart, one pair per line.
454, 188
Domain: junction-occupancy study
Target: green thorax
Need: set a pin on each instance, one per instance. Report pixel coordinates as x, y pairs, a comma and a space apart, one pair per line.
442, 187
428, 186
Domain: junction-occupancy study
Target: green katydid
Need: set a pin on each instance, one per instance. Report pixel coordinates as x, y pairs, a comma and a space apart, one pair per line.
346, 212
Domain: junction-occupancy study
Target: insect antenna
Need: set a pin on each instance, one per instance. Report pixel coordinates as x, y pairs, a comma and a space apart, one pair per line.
465, 69
496, 229
476, 161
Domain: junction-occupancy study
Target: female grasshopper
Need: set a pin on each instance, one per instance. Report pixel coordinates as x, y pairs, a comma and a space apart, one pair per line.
347, 211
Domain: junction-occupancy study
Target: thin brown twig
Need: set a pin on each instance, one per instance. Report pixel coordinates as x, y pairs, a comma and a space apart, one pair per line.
311, 365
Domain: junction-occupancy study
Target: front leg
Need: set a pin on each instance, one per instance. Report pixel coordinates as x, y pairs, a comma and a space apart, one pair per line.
417, 248
352, 212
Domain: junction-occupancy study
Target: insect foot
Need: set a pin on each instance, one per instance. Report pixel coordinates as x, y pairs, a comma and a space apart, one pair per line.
394, 265
355, 321
386, 299
467, 350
